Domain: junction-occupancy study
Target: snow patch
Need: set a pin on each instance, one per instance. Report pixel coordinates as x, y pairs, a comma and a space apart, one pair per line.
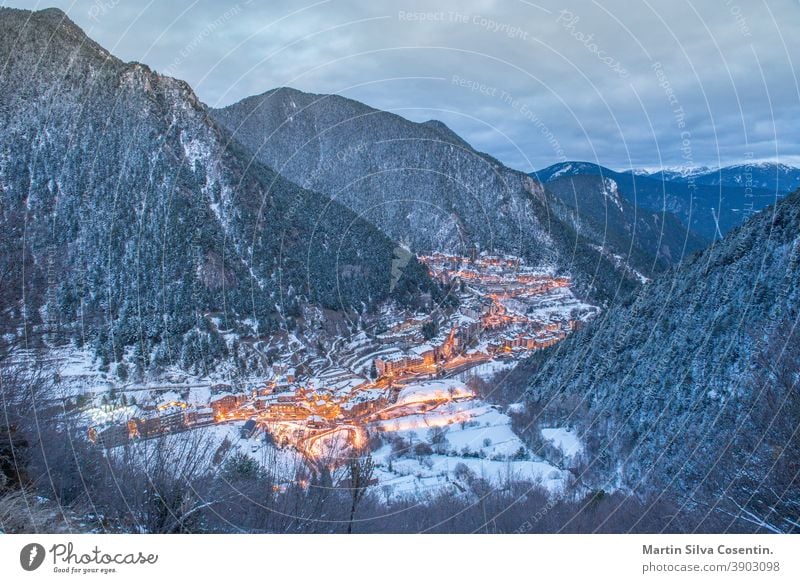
564, 439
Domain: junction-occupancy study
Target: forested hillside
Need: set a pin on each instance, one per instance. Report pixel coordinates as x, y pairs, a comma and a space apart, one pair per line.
691, 390
422, 184
128, 214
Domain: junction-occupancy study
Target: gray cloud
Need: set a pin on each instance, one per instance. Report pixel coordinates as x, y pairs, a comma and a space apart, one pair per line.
528, 82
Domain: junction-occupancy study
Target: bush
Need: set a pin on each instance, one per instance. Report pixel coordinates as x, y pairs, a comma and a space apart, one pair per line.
122, 371
423, 449
521, 454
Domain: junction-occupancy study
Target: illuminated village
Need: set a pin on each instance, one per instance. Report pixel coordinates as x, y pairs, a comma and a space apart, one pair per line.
405, 379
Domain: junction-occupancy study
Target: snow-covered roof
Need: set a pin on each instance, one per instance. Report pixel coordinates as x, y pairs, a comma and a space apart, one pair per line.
422, 349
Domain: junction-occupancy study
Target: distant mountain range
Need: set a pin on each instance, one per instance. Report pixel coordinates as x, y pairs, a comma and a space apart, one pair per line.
771, 176
653, 240
710, 202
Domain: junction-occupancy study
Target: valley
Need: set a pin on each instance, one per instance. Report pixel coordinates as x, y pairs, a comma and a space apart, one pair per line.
286, 311
402, 386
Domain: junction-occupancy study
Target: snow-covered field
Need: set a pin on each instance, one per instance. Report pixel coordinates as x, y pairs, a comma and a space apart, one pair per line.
564, 439
451, 446
432, 391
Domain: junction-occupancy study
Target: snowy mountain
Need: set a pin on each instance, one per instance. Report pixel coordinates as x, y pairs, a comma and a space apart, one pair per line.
654, 241
691, 389
709, 210
422, 184
771, 176
777, 178
563, 169
127, 213
673, 173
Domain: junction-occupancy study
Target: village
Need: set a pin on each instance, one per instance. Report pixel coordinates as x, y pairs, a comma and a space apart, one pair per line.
411, 371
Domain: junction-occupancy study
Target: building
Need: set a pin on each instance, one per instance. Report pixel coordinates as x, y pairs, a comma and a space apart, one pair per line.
367, 407
426, 352
447, 346
204, 416
287, 411
112, 436
161, 424
227, 403
316, 422
249, 429
266, 390
397, 362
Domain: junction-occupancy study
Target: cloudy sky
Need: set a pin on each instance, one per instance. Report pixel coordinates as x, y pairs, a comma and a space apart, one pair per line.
624, 84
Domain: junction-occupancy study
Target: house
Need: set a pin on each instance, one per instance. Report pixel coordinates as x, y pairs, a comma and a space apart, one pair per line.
266, 390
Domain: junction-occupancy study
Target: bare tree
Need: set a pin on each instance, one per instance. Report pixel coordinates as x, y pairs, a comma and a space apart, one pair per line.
360, 470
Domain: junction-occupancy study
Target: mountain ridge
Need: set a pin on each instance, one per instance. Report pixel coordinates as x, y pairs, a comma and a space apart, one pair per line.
422, 184
709, 210
773, 176
142, 213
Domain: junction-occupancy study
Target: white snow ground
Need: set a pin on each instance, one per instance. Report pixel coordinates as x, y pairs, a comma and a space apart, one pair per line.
564, 439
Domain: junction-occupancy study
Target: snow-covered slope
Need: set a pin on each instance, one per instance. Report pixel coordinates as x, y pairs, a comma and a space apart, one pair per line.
127, 213
419, 183
691, 390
